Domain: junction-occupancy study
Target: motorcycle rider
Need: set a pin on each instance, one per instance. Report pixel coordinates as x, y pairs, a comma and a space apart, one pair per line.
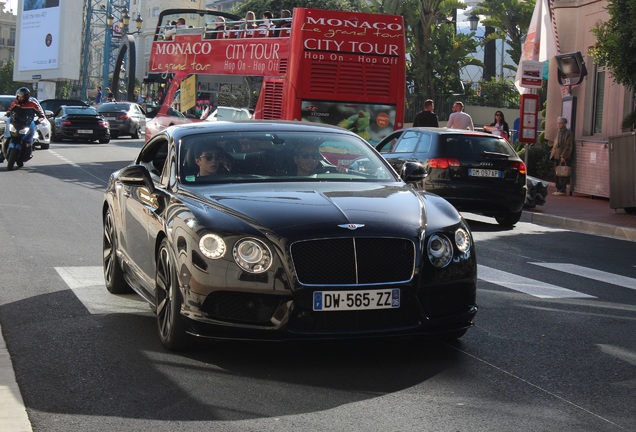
23, 101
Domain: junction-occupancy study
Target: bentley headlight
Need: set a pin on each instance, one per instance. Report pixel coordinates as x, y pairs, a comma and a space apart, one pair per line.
462, 240
252, 255
440, 250
212, 246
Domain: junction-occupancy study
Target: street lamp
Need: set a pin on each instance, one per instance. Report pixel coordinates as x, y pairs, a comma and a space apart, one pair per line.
474, 22
125, 20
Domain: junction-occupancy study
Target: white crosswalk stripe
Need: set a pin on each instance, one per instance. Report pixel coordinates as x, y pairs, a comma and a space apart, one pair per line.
526, 285
589, 273
87, 284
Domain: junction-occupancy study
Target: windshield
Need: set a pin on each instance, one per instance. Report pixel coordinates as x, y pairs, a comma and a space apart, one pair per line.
232, 157
114, 107
5, 102
81, 111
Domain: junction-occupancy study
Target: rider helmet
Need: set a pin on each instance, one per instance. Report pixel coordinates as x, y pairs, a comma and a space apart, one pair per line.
22, 95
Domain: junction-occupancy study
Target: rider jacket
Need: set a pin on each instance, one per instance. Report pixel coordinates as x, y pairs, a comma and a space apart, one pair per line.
31, 105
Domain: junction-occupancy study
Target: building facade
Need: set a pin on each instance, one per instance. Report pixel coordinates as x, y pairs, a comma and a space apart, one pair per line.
8, 23
599, 105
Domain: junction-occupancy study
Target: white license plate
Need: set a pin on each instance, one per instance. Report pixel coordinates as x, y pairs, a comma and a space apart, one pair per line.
110, 118
356, 300
479, 172
85, 131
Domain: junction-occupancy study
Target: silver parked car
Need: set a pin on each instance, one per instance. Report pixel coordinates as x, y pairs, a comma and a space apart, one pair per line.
124, 118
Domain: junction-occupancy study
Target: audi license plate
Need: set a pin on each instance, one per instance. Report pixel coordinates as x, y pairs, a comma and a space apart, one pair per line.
356, 300
85, 131
480, 172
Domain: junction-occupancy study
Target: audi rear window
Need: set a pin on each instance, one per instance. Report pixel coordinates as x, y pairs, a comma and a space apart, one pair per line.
462, 145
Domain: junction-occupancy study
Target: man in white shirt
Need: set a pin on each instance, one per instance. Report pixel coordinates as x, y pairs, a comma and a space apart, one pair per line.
459, 119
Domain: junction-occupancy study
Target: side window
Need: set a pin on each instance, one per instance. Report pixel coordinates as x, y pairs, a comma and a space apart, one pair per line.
408, 143
389, 143
154, 156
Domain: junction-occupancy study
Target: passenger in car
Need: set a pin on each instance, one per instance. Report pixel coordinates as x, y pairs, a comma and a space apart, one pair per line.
212, 159
307, 159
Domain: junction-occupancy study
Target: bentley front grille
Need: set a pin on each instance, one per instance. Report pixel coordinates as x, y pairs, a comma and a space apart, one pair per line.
353, 261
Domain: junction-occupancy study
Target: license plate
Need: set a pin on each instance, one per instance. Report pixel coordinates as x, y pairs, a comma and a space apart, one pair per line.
110, 118
479, 172
356, 300
85, 131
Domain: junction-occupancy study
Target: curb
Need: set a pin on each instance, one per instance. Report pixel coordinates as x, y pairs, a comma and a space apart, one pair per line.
580, 226
13, 415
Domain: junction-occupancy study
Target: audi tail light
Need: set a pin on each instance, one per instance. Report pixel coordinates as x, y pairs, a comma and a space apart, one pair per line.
519, 166
443, 163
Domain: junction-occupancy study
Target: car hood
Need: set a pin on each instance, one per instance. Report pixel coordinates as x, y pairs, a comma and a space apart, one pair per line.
313, 209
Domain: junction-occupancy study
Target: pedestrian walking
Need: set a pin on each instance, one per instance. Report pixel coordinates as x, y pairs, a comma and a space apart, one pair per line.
459, 119
426, 117
99, 95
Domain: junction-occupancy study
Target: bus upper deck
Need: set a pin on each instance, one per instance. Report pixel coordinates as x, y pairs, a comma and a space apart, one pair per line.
342, 68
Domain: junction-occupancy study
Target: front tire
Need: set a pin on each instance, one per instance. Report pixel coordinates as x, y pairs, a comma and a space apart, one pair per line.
44, 146
11, 159
508, 219
135, 133
168, 302
113, 273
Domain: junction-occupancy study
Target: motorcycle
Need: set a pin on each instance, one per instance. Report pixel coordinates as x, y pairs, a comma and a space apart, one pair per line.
18, 147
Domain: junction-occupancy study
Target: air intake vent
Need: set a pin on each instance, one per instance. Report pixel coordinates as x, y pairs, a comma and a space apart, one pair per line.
273, 100
348, 79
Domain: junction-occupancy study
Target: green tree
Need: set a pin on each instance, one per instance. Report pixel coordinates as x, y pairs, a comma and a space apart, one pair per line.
494, 93
510, 19
615, 47
435, 51
7, 85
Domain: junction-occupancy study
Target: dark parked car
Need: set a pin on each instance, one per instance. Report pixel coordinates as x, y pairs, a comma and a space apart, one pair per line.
54, 104
124, 118
79, 123
258, 251
476, 172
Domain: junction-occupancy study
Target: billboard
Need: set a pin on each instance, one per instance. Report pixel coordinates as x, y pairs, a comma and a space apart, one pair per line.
47, 45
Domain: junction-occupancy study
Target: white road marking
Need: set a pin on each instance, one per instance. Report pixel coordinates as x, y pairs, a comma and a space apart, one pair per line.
68, 161
590, 273
87, 283
526, 285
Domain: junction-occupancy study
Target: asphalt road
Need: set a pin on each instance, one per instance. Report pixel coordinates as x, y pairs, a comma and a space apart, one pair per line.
553, 347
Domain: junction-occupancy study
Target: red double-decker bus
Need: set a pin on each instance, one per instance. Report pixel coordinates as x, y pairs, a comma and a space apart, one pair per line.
335, 67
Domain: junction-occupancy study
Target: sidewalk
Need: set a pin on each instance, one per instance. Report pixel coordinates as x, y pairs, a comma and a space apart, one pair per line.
582, 213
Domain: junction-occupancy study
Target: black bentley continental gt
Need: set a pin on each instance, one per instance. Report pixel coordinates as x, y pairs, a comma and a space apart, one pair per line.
284, 231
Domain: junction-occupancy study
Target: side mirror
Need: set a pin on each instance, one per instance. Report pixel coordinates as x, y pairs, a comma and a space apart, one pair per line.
412, 172
137, 175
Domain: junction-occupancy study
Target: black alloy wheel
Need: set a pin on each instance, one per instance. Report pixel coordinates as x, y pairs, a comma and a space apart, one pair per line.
168, 302
113, 273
